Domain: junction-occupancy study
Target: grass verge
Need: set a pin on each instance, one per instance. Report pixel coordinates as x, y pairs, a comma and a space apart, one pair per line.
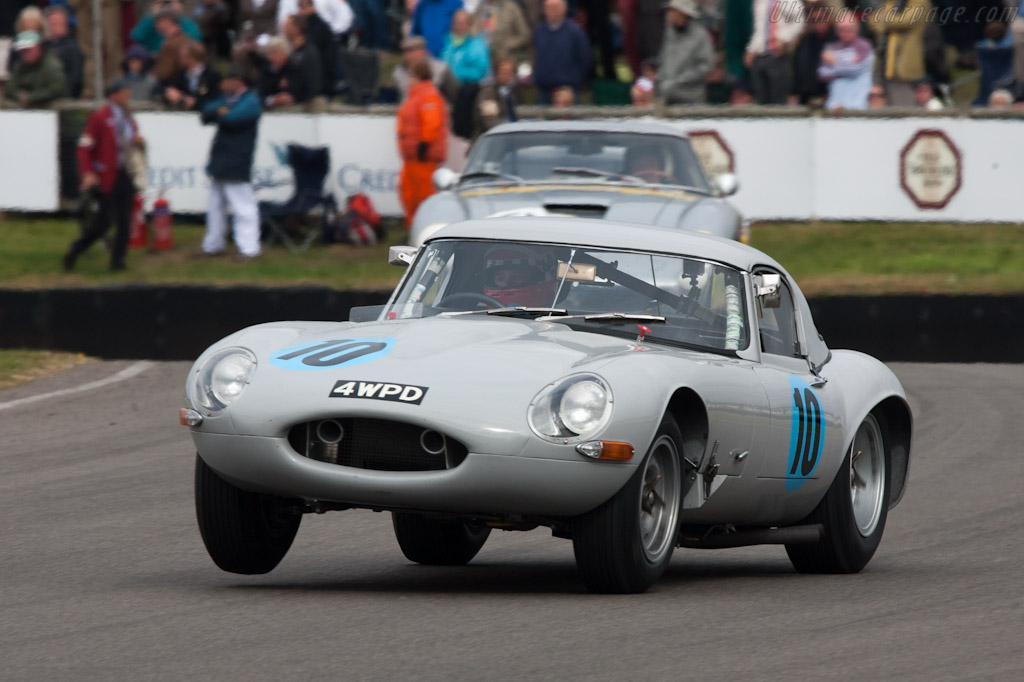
19, 367
826, 258
32, 251
873, 258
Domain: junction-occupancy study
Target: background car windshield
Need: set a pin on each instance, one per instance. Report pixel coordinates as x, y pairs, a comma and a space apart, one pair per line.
701, 301
534, 156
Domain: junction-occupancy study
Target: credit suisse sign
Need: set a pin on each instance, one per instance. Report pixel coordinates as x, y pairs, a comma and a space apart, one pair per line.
931, 169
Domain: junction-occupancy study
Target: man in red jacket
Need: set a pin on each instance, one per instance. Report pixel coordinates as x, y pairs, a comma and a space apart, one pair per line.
104, 152
422, 139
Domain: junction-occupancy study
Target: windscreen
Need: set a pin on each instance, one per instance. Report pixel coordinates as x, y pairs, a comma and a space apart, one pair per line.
567, 156
701, 301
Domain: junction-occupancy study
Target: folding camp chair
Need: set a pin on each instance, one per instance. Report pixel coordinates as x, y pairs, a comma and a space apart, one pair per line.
296, 222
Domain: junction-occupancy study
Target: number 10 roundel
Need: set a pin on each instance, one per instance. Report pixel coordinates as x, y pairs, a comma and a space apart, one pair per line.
807, 438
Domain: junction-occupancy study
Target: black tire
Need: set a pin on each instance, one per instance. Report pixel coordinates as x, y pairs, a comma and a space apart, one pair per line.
244, 532
613, 556
438, 543
844, 546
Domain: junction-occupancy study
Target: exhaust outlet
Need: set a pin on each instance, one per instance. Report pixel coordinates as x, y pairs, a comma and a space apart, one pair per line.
330, 431
432, 442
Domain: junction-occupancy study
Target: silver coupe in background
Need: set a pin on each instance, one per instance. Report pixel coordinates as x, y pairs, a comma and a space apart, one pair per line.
632, 172
633, 389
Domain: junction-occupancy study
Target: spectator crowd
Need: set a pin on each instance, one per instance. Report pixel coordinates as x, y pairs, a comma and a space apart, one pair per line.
486, 55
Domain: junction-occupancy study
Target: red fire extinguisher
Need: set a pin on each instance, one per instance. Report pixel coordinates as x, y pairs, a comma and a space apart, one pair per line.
163, 232
140, 232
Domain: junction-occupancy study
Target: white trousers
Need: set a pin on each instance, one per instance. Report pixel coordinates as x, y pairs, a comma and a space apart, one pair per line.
246, 225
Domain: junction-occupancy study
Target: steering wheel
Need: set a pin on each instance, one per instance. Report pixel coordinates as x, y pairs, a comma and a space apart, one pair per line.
655, 176
470, 296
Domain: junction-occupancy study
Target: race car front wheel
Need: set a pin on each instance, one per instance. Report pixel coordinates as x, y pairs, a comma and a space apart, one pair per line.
244, 532
435, 542
625, 545
854, 509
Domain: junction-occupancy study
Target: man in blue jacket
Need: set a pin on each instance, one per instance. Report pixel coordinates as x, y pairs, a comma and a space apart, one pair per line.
562, 52
432, 19
237, 117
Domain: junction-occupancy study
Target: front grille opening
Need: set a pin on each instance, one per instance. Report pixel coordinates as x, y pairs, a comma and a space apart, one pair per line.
378, 444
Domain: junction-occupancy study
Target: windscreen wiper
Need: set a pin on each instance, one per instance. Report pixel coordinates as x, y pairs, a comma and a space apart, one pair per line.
606, 317
591, 172
512, 311
491, 174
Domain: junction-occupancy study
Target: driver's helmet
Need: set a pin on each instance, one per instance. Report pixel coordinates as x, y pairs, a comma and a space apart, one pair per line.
518, 275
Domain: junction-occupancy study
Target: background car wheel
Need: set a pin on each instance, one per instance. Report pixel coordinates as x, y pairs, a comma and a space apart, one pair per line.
854, 509
438, 543
244, 532
625, 545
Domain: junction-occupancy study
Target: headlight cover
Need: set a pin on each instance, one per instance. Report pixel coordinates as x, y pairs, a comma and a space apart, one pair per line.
222, 378
571, 409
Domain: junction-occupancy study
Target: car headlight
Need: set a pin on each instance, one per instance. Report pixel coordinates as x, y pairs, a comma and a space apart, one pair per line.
572, 409
222, 378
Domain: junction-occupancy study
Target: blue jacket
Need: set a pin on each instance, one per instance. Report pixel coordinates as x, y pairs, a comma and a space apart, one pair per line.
145, 33
432, 19
470, 61
234, 145
561, 56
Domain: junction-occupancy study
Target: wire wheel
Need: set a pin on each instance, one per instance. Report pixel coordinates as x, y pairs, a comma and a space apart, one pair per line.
660, 499
867, 476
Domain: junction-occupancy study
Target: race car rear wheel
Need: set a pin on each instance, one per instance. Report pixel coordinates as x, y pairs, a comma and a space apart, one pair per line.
438, 543
244, 532
625, 545
854, 509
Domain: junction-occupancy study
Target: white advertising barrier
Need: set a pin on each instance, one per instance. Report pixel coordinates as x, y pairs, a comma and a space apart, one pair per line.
910, 169
29, 174
773, 159
178, 149
364, 158
935, 169
903, 169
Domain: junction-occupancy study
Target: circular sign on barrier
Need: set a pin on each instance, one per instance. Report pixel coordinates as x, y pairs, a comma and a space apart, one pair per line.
931, 169
714, 154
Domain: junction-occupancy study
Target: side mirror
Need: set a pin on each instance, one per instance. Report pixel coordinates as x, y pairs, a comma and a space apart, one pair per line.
768, 288
727, 184
444, 178
401, 255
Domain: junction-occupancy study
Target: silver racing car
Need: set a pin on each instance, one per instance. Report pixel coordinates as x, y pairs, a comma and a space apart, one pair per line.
634, 389
619, 171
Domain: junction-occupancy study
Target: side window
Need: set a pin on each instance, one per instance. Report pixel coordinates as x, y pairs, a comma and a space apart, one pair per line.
777, 326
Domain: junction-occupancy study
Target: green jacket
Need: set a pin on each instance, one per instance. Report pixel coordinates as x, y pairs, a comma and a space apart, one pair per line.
902, 39
43, 81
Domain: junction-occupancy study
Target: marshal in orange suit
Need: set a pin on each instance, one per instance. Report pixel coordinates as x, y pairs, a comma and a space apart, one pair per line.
422, 139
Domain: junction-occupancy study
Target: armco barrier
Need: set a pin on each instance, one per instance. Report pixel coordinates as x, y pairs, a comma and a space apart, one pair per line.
177, 323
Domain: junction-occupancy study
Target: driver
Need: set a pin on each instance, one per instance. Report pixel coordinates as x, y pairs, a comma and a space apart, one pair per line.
646, 163
519, 275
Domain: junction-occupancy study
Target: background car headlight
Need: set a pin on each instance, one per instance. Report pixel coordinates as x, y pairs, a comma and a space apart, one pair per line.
571, 409
222, 378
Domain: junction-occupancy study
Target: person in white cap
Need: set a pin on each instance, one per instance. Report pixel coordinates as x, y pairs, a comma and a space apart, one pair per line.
38, 78
686, 56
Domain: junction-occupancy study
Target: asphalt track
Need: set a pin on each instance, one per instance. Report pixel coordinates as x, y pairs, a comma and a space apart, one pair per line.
103, 575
